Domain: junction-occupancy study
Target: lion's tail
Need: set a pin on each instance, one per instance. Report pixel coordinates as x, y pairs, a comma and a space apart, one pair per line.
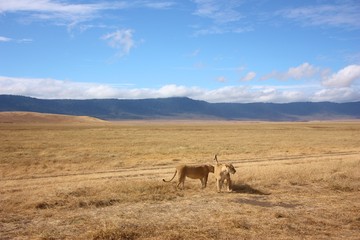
172, 177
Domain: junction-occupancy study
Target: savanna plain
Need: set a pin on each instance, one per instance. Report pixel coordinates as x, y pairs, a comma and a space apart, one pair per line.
103, 180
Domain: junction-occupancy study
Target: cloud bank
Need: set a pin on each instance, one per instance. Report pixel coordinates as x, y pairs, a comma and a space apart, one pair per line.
342, 86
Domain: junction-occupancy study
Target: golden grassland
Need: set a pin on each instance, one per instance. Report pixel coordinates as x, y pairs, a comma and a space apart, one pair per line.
34, 117
104, 180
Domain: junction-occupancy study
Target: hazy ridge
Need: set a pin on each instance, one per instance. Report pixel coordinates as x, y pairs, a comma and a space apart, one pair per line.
183, 108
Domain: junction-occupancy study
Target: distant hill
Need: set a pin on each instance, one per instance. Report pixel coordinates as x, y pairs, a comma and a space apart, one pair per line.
183, 108
33, 117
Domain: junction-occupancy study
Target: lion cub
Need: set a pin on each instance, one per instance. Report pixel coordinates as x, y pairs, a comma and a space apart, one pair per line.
195, 172
222, 174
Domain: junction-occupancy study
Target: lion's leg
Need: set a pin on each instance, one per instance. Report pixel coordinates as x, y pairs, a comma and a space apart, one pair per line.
182, 183
181, 180
205, 180
220, 183
203, 185
228, 183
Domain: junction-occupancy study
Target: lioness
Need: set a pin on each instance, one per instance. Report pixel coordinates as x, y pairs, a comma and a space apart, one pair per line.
195, 172
222, 173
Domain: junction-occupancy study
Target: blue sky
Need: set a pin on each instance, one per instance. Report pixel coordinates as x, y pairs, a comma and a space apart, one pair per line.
217, 51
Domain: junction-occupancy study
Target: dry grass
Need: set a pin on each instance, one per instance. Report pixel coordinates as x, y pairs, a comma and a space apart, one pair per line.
33, 117
103, 181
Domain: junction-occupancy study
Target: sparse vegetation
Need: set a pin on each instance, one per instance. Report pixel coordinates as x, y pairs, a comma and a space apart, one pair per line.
103, 181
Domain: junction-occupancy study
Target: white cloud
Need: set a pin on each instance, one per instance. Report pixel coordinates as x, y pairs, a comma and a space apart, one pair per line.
244, 94
121, 40
158, 5
173, 90
65, 12
5, 39
58, 89
343, 78
52, 88
54, 10
303, 71
219, 11
224, 17
249, 76
334, 15
343, 94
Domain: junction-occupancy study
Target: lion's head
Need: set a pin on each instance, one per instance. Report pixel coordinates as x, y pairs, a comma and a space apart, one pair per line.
210, 168
231, 168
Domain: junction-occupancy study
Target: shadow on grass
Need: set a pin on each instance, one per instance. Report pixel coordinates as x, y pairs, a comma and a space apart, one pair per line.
245, 188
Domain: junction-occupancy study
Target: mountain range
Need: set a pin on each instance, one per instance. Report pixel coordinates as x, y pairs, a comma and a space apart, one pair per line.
182, 108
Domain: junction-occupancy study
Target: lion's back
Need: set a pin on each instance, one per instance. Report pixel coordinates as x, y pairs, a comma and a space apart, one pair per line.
198, 171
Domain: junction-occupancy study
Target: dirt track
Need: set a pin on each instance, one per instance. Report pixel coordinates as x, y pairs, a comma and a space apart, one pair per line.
159, 172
